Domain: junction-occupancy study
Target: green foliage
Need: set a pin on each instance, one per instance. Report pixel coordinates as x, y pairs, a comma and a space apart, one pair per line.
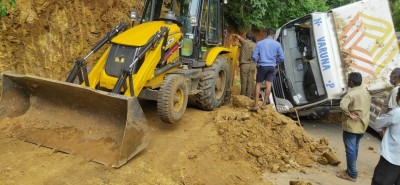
12, 4
6, 7
337, 3
261, 14
395, 6
3, 8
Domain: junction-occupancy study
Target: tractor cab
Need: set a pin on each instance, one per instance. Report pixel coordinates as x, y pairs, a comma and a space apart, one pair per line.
200, 22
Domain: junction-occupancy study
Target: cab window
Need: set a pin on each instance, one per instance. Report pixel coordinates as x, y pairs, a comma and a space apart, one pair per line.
214, 23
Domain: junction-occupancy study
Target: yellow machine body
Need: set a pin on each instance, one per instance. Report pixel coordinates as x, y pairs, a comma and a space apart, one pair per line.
105, 123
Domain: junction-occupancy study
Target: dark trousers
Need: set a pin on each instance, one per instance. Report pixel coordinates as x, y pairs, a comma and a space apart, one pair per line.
351, 143
386, 173
247, 79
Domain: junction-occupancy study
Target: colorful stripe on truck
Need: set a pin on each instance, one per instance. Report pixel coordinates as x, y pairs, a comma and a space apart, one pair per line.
367, 40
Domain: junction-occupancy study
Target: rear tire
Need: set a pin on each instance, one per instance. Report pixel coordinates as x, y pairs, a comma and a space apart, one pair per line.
172, 98
213, 84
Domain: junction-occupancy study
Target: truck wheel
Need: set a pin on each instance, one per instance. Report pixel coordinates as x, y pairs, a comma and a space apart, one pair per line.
213, 84
172, 98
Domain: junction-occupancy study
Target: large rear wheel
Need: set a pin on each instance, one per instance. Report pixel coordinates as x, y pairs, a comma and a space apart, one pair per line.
213, 84
172, 98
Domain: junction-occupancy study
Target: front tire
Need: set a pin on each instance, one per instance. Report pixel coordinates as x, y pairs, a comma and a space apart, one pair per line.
172, 98
213, 84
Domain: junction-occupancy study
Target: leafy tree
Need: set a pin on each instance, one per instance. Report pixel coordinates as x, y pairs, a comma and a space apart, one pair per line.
245, 14
337, 3
260, 14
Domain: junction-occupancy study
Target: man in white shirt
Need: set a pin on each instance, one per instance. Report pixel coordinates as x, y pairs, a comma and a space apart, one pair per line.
387, 171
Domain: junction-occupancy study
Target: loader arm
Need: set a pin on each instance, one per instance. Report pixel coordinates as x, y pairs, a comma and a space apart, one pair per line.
80, 70
138, 53
136, 83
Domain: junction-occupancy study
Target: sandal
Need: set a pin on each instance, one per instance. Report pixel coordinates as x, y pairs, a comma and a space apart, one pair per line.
253, 109
263, 107
345, 176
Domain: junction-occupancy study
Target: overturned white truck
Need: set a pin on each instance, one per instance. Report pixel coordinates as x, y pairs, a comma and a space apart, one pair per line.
322, 48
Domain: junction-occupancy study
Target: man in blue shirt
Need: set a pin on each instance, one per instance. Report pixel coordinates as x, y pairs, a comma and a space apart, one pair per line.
265, 55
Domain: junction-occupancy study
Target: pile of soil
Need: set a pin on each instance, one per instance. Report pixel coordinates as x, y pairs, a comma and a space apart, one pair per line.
270, 140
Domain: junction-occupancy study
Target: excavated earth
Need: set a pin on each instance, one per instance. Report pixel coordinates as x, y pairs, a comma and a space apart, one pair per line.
45, 37
227, 146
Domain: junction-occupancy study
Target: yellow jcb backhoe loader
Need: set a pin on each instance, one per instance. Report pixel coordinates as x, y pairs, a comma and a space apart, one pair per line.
175, 50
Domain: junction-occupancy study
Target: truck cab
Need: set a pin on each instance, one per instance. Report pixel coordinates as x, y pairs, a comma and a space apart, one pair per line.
320, 49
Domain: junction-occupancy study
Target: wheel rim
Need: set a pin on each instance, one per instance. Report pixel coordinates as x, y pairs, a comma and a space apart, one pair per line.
178, 100
220, 84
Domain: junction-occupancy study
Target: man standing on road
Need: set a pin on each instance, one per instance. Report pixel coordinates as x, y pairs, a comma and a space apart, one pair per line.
266, 54
387, 171
390, 103
355, 105
246, 64
395, 81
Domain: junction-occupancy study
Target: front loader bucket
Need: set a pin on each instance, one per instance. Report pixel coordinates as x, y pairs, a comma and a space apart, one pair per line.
100, 126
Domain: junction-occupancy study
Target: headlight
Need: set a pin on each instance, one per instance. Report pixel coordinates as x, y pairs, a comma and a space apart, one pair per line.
193, 20
133, 15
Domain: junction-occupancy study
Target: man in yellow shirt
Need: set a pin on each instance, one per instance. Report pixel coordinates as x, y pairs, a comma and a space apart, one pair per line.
355, 106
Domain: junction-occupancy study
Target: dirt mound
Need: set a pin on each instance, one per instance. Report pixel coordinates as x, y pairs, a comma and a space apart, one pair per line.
44, 38
270, 140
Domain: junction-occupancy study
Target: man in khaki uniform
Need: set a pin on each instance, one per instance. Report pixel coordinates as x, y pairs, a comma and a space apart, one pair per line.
355, 106
246, 64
